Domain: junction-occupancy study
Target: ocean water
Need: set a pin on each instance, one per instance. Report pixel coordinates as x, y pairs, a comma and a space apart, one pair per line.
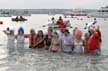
42, 60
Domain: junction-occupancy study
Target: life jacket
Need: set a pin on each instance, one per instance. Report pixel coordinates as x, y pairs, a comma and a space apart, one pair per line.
61, 23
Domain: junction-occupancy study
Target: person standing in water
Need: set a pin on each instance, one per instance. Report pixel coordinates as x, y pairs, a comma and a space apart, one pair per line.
94, 42
20, 38
48, 38
11, 38
39, 40
67, 42
32, 38
86, 47
78, 42
56, 43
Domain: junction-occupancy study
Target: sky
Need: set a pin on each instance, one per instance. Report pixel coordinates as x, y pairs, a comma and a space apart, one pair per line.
52, 4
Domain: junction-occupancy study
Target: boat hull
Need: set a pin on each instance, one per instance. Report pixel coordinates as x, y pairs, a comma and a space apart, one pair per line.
14, 19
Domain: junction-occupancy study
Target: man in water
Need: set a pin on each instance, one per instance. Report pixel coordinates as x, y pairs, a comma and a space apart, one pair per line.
67, 42
32, 38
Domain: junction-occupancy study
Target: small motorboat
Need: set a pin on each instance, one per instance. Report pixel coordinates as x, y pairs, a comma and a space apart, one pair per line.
19, 19
14, 19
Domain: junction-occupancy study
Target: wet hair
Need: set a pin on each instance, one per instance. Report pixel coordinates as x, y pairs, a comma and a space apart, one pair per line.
66, 30
87, 33
60, 17
11, 31
41, 33
32, 30
56, 34
50, 29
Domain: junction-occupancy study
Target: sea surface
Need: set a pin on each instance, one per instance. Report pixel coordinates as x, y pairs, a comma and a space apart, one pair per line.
42, 60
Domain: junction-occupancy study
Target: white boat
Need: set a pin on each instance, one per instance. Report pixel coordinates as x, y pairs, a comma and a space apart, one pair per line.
54, 25
101, 13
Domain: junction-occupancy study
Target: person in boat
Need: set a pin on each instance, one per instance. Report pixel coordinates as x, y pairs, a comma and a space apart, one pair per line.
86, 47
55, 43
61, 23
78, 42
20, 38
67, 42
94, 42
11, 38
32, 38
60, 19
48, 38
17, 18
21, 17
53, 20
8, 29
39, 40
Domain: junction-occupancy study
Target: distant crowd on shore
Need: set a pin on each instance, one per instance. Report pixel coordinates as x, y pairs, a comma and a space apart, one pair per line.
63, 40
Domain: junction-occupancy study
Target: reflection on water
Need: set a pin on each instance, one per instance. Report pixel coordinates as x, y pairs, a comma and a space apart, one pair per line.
43, 60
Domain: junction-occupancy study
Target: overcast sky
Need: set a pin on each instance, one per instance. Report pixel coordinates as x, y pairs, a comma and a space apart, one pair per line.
46, 4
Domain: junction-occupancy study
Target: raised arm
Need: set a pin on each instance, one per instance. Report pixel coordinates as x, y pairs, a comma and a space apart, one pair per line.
7, 33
